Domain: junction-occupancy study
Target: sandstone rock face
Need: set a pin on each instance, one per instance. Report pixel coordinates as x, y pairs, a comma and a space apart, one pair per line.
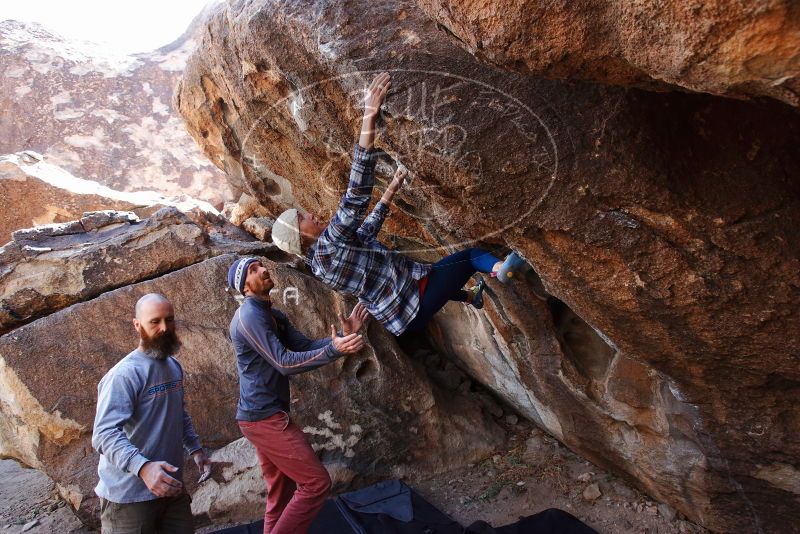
50, 267
374, 413
259, 227
245, 208
658, 335
726, 48
102, 117
544, 360
236, 489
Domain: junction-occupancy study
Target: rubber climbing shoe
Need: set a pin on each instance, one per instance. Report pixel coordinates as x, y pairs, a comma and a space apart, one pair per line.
477, 294
513, 265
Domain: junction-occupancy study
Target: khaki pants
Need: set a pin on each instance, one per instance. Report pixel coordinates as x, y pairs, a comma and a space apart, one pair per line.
167, 515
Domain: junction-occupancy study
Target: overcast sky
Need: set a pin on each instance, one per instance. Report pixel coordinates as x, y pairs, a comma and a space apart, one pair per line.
128, 27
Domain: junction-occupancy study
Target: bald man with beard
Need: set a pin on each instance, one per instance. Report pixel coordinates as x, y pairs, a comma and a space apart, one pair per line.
142, 431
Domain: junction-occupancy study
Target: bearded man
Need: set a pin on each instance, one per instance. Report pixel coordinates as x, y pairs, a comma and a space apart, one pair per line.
142, 429
269, 349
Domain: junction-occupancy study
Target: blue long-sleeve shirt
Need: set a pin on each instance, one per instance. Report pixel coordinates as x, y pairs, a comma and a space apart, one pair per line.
140, 417
269, 349
348, 258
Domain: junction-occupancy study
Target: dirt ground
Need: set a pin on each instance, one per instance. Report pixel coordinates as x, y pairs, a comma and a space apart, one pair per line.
29, 502
531, 474
535, 473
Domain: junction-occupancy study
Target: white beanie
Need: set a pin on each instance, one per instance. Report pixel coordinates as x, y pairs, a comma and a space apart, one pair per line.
286, 233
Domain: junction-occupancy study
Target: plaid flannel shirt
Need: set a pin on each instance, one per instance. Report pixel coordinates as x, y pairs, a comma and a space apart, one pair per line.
348, 258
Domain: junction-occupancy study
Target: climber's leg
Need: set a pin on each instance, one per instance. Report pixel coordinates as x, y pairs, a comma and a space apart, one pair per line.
475, 294
469, 261
446, 280
481, 260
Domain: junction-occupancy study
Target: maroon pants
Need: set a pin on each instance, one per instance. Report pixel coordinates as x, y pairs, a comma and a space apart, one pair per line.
297, 483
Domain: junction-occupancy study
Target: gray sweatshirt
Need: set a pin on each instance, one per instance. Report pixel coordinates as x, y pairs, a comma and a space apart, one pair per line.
140, 417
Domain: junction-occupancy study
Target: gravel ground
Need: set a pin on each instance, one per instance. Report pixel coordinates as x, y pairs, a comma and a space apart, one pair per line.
535, 473
29, 502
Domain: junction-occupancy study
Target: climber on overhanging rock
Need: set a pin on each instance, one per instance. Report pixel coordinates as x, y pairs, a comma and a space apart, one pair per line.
346, 255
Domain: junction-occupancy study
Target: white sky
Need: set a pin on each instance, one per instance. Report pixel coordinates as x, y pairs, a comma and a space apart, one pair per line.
128, 27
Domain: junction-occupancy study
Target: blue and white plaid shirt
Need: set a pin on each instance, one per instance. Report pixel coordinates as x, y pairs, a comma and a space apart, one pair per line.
348, 258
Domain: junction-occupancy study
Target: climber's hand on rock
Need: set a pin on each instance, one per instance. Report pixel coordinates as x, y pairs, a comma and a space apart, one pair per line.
373, 98
375, 95
353, 324
400, 176
397, 182
349, 344
155, 477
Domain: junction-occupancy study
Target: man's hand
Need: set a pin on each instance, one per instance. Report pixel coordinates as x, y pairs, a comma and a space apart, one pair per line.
353, 324
203, 464
349, 344
160, 484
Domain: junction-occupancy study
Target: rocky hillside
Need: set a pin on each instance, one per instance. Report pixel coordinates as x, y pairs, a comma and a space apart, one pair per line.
33, 192
658, 334
100, 116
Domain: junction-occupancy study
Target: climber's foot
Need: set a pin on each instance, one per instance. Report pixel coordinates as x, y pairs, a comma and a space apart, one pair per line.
512, 265
476, 294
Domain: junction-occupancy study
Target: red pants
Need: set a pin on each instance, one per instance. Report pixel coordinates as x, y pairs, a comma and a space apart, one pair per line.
297, 483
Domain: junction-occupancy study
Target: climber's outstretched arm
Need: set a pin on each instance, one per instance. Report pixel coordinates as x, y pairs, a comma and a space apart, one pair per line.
374, 97
372, 224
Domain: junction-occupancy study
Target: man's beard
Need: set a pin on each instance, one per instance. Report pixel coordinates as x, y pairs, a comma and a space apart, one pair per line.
160, 347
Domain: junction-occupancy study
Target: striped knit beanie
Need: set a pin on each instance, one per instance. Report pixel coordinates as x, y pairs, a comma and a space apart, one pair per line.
237, 273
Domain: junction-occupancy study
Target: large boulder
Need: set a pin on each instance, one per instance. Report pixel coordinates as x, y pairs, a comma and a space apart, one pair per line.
662, 227
101, 115
49, 267
728, 48
374, 414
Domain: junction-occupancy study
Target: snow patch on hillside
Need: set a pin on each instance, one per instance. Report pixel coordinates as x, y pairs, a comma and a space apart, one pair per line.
32, 164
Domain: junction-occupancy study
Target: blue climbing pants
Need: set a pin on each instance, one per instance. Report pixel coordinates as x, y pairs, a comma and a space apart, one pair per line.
446, 281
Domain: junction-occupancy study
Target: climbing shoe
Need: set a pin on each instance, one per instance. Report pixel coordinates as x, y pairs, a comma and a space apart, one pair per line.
477, 294
512, 265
